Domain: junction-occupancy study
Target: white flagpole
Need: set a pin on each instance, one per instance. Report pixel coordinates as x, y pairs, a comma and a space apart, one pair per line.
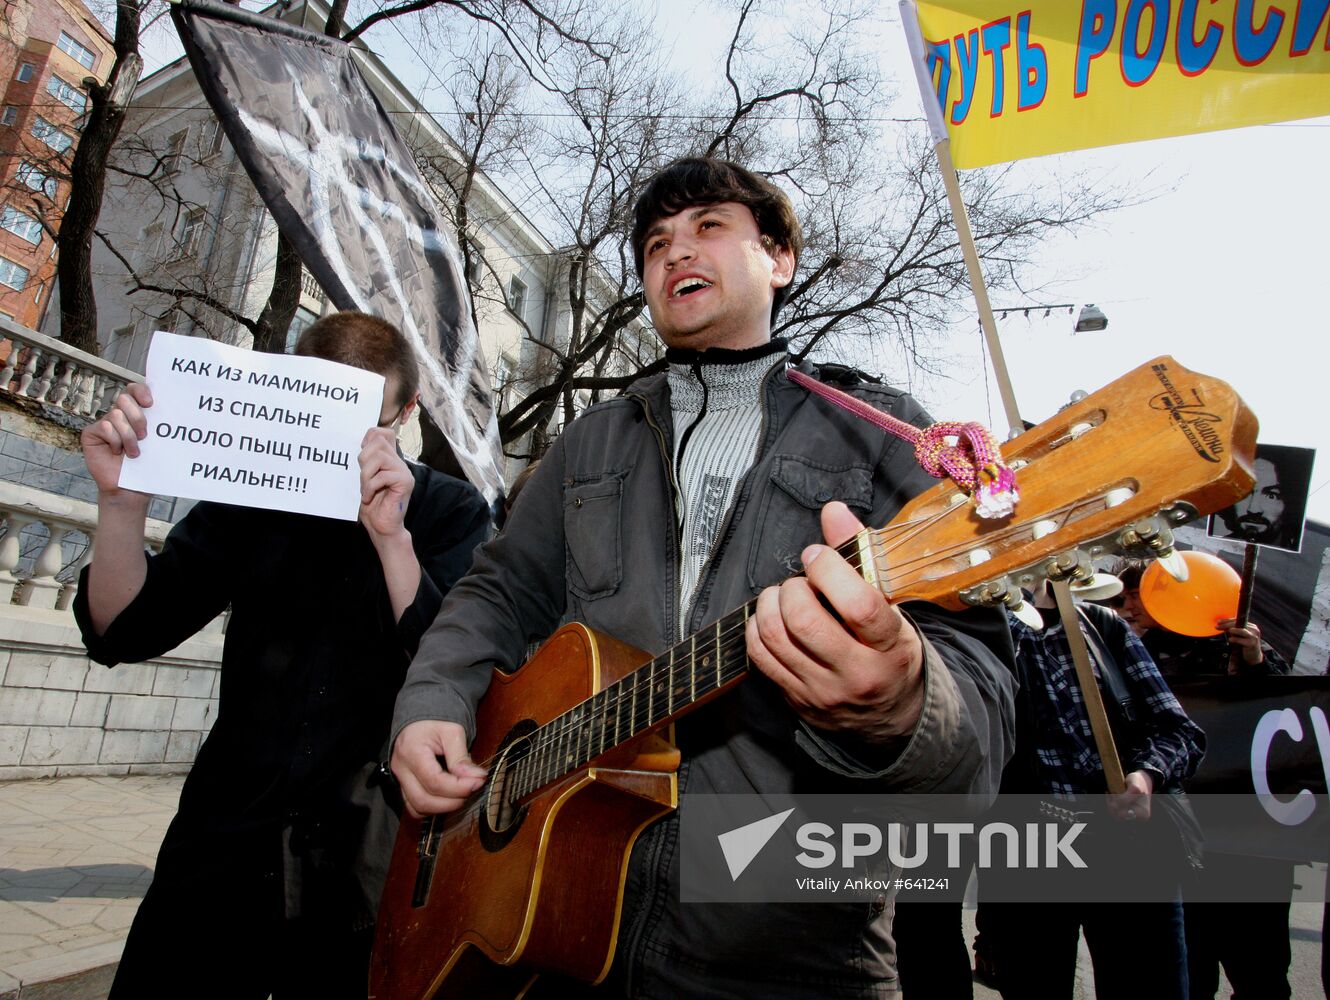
942, 147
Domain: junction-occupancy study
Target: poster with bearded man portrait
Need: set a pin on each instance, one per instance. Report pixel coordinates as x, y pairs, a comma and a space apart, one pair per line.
1273, 513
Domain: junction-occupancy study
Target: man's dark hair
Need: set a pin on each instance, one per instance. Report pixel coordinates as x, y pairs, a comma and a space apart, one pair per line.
1129, 572
363, 341
704, 181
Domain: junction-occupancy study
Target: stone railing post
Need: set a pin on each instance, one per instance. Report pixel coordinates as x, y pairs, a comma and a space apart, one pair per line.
50, 372
22, 507
11, 551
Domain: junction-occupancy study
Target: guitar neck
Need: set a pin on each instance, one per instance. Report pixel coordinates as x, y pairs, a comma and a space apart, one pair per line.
655, 695
648, 699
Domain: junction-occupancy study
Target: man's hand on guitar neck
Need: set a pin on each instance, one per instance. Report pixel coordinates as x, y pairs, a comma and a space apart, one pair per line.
426, 786
862, 674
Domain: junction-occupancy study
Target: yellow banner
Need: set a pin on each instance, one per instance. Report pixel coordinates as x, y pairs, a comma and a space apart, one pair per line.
1020, 79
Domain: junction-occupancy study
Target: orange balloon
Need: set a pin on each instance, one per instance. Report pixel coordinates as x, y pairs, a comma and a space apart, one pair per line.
1209, 593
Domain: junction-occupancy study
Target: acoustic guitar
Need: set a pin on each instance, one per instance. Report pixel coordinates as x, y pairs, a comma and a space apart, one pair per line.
528, 875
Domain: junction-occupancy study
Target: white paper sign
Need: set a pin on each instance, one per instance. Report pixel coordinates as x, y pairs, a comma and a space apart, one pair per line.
254, 429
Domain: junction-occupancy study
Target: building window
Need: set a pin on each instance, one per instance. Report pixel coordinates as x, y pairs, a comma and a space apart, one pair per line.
25, 72
67, 94
517, 296
151, 249
9, 116
169, 320
120, 348
475, 263
300, 322
13, 275
189, 230
175, 149
51, 135
215, 139
23, 226
82, 53
37, 299
36, 180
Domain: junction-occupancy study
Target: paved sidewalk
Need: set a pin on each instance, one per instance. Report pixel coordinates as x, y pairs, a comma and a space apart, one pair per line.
76, 855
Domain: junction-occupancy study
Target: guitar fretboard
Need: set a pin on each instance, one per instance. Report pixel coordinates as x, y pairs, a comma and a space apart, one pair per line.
649, 698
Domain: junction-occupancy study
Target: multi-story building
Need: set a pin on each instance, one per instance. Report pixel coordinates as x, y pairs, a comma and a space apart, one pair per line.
197, 223
48, 48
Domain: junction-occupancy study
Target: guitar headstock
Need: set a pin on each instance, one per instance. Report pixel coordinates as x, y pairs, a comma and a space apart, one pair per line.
1112, 472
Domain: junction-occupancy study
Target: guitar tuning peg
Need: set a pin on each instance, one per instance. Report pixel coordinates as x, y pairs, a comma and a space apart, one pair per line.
1175, 565
1029, 615
1073, 564
994, 592
1098, 587
1150, 534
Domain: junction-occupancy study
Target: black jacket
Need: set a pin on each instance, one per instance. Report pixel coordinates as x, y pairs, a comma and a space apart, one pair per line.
311, 664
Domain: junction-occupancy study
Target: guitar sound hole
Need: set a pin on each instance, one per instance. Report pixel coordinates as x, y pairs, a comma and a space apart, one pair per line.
512, 776
499, 808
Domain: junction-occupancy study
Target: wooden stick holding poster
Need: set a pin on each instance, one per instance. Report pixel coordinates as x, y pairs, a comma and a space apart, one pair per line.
254, 429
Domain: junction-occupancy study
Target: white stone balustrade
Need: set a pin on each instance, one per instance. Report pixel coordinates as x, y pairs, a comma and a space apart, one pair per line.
60, 713
44, 586
310, 287
49, 371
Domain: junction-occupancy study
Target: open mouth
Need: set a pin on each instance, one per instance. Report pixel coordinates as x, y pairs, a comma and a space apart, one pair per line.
688, 286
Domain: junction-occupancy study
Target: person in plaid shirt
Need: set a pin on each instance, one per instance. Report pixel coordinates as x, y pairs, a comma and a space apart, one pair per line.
1136, 945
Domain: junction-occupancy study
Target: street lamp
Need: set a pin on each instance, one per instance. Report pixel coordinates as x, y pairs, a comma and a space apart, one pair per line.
1091, 318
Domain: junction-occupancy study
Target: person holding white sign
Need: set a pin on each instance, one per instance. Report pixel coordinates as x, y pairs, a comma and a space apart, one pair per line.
268, 877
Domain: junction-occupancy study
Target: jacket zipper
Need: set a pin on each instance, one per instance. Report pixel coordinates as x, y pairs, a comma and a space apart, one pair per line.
633, 956
674, 492
740, 499
677, 464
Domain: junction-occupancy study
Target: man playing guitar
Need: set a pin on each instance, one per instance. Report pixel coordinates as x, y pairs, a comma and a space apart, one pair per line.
653, 515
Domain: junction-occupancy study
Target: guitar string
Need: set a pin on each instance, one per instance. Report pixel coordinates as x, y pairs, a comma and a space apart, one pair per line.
920, 565
580, 723
558, 729
729, 667
641, 720
726, 645
934, 556
562, 726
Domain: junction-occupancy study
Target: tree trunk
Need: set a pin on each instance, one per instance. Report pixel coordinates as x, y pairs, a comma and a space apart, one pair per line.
282, 302
87, 174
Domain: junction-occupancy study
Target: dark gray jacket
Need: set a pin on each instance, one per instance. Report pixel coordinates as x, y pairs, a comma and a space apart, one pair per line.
593, 538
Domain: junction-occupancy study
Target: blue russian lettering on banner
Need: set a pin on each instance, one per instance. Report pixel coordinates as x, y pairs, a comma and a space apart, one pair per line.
1098, 22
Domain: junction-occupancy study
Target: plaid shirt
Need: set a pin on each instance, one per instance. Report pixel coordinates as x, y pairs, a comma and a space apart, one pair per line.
1065, 760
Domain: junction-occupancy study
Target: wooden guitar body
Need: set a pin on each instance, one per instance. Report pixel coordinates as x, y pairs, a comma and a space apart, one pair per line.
544, 888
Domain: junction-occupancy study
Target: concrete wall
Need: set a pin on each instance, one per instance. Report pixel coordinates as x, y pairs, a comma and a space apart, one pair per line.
59, 712
62, 714
37, 452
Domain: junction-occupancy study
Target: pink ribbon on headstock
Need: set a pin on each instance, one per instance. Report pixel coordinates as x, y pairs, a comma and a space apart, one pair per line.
967, 452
